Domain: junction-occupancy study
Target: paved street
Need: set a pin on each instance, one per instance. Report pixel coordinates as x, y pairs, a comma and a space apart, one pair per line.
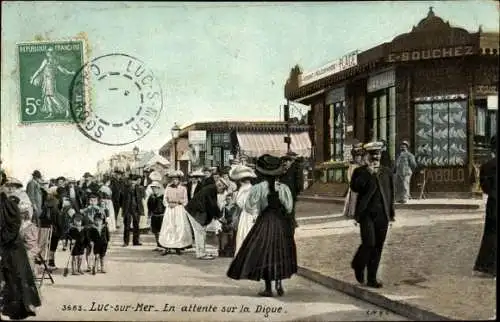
427, 260
142, 285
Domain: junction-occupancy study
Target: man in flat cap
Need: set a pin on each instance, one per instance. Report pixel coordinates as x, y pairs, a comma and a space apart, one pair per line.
405, 166
133, 209
88, 187
374, 186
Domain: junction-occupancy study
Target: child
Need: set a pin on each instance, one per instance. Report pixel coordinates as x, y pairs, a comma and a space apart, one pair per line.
77, 233
89, 213
100, 239
227, 232
156, 210
67, 212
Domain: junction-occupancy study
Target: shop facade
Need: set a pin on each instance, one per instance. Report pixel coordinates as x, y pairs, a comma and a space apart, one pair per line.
435, 87
226, 141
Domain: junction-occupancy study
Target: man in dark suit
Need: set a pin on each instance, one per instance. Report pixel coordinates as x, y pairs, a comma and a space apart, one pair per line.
117, 186
133, 209
88, 187
194, 182
293, 178
210, 178
201, 209
374, 210
486, 261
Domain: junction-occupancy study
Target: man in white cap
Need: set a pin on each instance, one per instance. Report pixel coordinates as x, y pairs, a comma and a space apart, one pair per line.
374, 210
405, 165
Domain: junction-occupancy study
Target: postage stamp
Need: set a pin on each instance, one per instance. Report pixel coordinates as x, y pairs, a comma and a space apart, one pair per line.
125, 99
46, 70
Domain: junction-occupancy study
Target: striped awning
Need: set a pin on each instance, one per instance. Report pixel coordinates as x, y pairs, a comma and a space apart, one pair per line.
255, 144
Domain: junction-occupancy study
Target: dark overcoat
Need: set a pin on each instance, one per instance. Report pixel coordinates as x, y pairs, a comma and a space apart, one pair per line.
365, 185
203, 207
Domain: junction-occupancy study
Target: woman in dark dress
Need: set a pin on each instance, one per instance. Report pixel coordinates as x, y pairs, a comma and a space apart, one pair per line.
19, 294
486, 262
268, 252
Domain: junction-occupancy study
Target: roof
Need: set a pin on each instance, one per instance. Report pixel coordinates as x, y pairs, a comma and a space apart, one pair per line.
241, 126
254, 126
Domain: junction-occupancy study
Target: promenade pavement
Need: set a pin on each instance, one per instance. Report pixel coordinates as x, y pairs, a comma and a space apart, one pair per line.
426, 263
141, 285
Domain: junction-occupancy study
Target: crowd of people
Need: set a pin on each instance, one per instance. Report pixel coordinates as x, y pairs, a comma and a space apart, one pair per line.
251, 208
81, 215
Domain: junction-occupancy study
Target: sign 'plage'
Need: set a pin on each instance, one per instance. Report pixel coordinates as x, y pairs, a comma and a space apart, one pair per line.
347, 61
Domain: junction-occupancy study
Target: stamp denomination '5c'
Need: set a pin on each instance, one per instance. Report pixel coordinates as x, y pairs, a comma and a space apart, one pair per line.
125, 100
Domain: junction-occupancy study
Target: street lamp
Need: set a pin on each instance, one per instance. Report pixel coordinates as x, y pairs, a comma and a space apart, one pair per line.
136, 154
175, 134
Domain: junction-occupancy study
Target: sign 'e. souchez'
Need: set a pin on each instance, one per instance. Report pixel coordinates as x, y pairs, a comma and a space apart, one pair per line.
343, 63
435, 53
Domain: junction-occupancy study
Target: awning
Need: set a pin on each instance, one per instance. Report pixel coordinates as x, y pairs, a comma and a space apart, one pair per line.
254, 144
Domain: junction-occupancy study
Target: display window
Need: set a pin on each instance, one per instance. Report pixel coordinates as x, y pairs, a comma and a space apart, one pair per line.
441, 133
337, 130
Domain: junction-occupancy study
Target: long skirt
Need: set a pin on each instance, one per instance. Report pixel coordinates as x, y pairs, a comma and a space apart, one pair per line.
111, 218
20, 295
486, 261
244, 226
268, 251
175, 229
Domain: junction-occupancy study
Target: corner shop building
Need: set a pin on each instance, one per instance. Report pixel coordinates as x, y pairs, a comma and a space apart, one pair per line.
436, 86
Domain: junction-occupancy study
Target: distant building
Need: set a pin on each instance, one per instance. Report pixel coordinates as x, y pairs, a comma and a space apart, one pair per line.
225, 141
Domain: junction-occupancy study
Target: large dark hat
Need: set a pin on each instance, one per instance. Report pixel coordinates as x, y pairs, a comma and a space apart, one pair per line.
61, 178
37, 174
269, 165
117, 170
87, 175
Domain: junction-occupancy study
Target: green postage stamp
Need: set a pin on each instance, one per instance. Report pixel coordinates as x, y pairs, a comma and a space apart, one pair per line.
46, 70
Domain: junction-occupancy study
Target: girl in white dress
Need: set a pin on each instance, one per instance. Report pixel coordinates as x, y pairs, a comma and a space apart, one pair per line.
175, 233
242, 175
107, 204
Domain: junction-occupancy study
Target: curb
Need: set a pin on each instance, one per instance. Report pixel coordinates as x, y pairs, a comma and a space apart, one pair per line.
399, 307
427, 206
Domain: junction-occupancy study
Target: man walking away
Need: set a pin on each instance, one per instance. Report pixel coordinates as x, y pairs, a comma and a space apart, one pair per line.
486, 262
133, 209
293, 178
405, 165
374, 209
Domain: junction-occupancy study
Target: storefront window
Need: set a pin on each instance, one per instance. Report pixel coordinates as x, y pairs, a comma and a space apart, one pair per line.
337, 130
217, 155
441, 133
383, 118
485, 123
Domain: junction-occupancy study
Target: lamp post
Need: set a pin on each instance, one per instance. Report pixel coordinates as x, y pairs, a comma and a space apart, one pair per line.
136, 154
175, 134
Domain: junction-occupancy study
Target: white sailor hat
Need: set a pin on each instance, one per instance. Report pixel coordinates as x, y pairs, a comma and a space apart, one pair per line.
373, 146
176, 174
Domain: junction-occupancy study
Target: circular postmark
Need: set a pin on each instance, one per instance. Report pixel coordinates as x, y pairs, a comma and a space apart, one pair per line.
115, 99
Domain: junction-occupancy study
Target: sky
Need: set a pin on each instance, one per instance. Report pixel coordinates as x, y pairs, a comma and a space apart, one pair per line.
213, 61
